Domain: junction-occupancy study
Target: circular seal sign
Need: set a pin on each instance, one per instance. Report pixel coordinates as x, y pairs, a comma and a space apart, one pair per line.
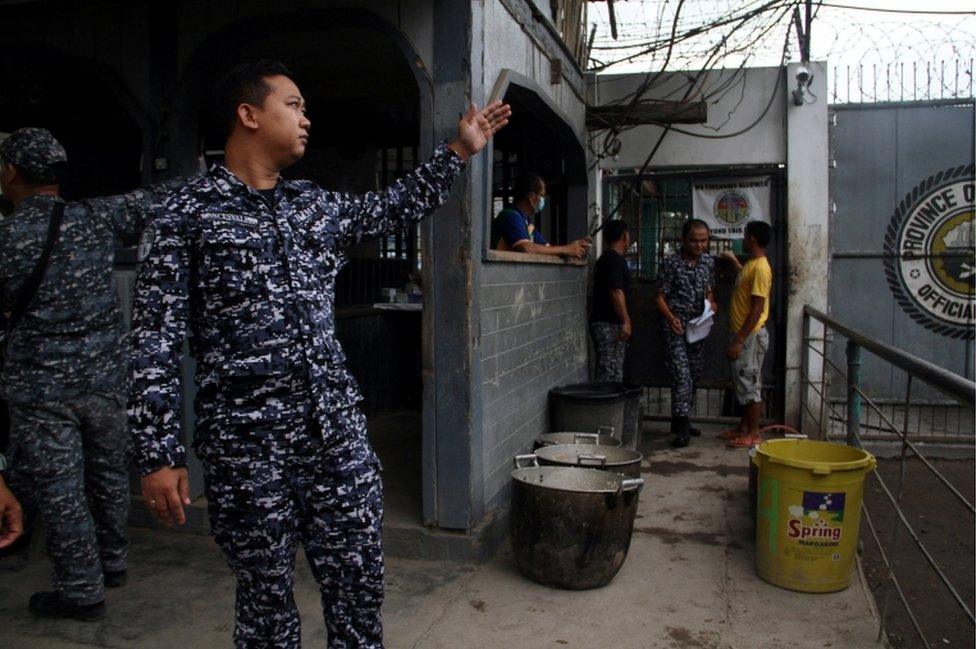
929, 253
731, 207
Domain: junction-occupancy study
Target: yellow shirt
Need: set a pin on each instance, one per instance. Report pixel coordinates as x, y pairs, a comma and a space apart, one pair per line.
755, 278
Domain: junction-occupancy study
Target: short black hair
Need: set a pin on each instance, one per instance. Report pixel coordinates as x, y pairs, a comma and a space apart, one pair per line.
31, 179
761, 232
614, 230
244, 84
693, 224
527, 183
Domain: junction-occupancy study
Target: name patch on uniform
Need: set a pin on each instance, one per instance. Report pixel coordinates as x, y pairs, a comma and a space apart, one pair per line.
306, 213
229, 217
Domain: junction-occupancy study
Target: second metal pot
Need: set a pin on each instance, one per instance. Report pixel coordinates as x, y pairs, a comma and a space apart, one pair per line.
608, 458
603, 437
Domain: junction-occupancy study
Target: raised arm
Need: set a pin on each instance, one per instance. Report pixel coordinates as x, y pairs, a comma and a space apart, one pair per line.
422, 191
129, 212
155, 401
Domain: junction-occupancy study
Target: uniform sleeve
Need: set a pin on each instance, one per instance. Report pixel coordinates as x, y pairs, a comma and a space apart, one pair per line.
539, 238
128, 213
159, 316
761, 281
408, 200
511, 227
712, 279
21, 244
664, 274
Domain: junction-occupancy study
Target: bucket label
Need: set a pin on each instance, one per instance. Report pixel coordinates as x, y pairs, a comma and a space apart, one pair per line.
818, 521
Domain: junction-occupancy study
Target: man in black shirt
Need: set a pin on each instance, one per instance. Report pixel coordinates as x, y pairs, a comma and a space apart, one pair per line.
610, 321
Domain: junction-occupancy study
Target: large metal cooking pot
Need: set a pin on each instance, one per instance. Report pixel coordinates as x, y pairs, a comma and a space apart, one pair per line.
608, 458
603, 437
571, 527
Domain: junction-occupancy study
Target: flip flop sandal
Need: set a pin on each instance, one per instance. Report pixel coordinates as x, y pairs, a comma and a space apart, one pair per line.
730, 434
745, 441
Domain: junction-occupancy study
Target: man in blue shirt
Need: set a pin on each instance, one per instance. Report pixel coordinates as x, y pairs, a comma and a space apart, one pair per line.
513, 228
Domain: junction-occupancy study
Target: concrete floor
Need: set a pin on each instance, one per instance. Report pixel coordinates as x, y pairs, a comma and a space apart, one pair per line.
687, 582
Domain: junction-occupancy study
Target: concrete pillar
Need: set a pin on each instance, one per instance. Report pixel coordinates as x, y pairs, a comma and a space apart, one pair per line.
808, 254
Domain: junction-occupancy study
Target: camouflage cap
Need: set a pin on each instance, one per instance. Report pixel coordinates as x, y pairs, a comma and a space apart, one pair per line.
34, 150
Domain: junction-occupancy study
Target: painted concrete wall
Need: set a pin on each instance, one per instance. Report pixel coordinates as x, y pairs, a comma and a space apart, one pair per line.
533, 338
730, 112
807, 204
532, 316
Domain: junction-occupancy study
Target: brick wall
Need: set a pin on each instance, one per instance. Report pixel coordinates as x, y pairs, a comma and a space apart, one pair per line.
533, 338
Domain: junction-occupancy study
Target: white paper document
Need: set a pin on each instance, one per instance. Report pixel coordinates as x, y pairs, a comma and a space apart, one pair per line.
699, 328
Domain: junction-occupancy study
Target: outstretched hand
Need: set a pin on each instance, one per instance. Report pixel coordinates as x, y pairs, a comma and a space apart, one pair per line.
476, 127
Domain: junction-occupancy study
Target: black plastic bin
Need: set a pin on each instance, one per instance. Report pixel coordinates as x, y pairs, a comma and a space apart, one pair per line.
587, 407
630, 434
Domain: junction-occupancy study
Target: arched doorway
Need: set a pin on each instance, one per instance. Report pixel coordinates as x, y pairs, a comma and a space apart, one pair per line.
86, 108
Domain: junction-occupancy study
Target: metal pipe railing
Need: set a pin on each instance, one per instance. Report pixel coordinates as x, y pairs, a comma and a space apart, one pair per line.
950, 383
953, 385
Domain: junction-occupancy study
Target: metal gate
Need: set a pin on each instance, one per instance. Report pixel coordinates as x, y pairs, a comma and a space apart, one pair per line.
901, 234
655, 207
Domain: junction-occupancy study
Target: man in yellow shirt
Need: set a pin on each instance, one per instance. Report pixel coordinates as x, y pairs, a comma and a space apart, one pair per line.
748, 312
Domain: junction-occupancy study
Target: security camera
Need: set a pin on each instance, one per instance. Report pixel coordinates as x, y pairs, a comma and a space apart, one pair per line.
803, 76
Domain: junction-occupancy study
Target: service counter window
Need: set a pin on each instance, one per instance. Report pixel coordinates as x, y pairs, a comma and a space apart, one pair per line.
538, 140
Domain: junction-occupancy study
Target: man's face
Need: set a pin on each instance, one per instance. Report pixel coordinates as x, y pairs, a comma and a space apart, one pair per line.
281, 121
748, 243
696, 243
536, 198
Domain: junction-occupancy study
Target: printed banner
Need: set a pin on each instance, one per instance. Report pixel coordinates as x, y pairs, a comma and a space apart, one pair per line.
727, 205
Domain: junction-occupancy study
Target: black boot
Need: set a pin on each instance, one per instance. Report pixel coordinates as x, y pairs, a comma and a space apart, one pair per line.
52, 606
694, 432
681, 432
116, 578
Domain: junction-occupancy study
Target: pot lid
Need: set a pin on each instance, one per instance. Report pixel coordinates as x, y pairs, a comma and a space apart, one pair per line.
588, 455
569, 437
569, 479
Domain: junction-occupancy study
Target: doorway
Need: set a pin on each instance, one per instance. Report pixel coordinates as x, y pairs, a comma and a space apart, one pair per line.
655, 207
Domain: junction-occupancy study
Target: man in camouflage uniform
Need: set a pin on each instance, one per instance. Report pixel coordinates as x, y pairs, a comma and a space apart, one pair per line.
248, 261
64, 374
685, 281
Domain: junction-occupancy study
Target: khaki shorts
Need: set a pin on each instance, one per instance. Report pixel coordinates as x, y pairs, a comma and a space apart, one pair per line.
747, 368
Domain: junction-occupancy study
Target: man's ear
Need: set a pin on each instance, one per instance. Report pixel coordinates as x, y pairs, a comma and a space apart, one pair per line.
247, 115
9, 172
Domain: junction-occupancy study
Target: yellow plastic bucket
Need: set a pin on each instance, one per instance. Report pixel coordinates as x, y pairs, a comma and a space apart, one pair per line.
808, 513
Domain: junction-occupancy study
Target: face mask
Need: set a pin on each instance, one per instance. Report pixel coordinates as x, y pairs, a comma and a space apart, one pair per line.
541, 206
